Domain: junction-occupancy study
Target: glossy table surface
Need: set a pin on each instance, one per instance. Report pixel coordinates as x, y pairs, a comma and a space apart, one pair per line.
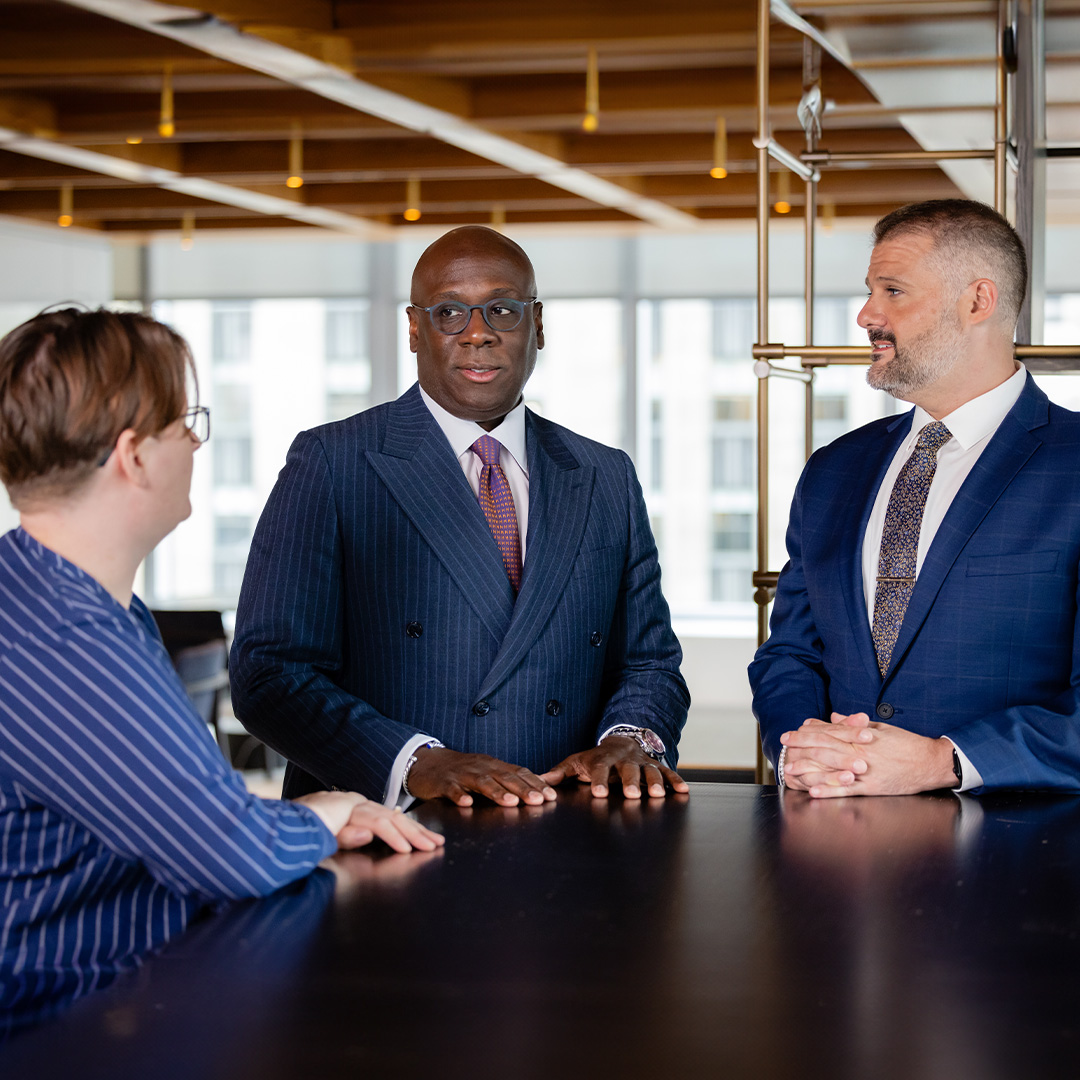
728, 933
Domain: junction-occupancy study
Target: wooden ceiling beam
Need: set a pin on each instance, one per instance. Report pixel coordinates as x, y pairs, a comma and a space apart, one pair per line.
109, 129
511, 188
321, 157
422, 25
324, 79
669, 90
95, 202
457, 72
110, 48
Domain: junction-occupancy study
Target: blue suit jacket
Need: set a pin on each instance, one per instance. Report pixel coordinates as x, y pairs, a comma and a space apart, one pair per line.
989, 652
375, 606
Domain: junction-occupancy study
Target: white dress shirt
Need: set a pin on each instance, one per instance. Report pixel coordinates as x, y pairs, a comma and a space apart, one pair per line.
461, 434
972, 426
513, 457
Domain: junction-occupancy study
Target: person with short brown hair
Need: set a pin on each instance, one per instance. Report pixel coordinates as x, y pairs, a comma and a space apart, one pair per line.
70, 382
113, 795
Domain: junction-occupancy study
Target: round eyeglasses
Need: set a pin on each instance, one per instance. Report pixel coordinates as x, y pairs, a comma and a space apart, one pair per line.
502, 313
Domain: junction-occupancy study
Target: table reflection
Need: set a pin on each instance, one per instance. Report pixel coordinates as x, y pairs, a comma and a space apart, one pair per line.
83, 953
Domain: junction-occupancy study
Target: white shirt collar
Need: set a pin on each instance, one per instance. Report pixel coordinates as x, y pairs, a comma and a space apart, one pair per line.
461, 434
981, 416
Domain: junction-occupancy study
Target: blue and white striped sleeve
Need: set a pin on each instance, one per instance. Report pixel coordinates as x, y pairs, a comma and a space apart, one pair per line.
94, 723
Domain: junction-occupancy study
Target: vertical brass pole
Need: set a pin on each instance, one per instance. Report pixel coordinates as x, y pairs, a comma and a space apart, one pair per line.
808, 291
811, 79
1001, 126
762, 144
809, 228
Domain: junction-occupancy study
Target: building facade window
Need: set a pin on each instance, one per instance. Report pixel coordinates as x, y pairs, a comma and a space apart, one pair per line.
341, 404
348, 358
232, 447
733, 328
232, 539
656, 446
732, 557
733, 449
346, 331
231, 333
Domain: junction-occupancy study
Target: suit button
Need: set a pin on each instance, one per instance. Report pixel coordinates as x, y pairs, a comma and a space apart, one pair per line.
481, 708
595, 637
414, 629
553, 707
885, 711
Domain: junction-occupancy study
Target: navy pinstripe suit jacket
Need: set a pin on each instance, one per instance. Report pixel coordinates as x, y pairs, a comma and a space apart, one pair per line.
989, 651
375, 606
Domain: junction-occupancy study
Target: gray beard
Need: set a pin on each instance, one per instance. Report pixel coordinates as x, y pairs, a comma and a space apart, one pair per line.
920, 363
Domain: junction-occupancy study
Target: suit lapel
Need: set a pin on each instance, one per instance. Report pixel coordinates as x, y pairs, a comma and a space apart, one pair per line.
419, 469
1005, 455
866, 483
560, 494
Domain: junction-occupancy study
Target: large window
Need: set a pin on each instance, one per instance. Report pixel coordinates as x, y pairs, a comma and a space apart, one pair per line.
678, 392
268, 369
579, 379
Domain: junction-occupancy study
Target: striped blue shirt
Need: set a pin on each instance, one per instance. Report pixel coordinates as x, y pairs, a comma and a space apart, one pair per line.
119, 817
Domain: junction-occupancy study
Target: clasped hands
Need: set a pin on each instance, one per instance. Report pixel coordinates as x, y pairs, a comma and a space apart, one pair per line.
441, 772
853, 755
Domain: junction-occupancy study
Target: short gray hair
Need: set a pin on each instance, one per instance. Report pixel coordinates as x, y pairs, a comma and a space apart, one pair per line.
971, 240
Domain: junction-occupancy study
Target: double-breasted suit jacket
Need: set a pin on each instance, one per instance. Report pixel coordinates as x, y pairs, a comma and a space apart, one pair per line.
989, 652
375, 606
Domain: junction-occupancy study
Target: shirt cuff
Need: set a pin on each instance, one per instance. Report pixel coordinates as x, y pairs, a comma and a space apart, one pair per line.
609, 730
972, 776
394, 795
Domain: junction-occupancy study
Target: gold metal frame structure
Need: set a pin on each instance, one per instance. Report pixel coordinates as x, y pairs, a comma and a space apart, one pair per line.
807, 166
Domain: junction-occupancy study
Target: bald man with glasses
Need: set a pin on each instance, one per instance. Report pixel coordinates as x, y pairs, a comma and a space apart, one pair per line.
449, 596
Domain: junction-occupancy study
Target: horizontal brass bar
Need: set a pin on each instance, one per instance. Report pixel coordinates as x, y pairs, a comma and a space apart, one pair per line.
855, 157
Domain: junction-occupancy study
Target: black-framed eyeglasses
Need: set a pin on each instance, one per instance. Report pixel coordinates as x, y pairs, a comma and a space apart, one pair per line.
196, 420
452, 316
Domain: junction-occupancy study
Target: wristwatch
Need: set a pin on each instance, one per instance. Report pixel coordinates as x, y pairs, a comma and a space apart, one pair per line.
957, 768
648, 740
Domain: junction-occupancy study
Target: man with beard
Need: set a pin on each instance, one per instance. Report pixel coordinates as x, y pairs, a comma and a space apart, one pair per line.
925, 628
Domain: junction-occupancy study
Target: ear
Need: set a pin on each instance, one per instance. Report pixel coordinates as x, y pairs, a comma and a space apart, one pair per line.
129, 458
414, 326
980, 300
538, 322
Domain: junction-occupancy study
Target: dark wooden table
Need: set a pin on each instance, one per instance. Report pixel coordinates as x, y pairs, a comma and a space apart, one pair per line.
724, 934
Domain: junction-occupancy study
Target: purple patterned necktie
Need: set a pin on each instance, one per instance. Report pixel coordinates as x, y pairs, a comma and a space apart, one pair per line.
900, 540
497, 502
